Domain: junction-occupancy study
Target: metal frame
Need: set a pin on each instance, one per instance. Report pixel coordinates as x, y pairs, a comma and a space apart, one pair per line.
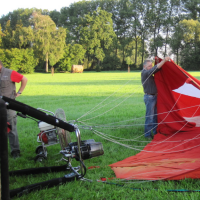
25, 109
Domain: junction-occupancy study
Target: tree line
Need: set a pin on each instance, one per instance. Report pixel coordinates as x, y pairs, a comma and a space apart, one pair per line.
101, 35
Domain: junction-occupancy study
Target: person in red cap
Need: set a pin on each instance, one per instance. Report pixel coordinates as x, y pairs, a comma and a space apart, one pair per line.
8, 78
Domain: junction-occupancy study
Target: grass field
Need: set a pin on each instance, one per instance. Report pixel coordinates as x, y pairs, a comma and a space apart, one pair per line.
111, 103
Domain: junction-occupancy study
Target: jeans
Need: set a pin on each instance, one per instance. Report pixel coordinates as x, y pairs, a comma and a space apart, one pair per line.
151, 115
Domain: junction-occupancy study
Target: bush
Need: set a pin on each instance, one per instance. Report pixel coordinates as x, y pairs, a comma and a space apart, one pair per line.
21, 60
111, 63
28, 62
140, 67
98, 68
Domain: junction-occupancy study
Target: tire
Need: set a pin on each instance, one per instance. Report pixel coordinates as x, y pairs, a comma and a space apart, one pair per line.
40, 158
39, 150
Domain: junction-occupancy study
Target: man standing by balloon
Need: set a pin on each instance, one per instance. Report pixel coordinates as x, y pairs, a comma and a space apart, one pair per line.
150, 95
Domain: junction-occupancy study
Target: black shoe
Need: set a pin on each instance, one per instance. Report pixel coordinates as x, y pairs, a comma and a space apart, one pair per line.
15, 154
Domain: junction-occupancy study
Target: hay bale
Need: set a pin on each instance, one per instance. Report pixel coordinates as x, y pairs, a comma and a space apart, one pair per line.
77, 69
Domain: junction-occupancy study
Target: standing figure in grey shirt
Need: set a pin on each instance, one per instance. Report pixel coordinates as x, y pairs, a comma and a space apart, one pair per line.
8, 78
150, 95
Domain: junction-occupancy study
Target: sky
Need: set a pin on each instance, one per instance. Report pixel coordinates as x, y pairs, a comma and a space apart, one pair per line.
11, 5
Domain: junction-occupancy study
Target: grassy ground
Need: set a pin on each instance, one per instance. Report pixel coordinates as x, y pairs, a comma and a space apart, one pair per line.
114, 99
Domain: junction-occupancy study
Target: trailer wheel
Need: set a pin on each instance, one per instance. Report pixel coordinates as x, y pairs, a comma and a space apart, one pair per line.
39, 150
40, 158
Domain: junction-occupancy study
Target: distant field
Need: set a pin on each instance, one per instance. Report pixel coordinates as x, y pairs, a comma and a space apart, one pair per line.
109, 102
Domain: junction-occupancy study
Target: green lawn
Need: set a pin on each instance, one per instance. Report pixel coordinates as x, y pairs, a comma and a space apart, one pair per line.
109, 102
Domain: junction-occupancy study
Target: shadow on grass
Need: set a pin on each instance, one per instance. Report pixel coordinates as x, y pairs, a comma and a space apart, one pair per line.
92, 82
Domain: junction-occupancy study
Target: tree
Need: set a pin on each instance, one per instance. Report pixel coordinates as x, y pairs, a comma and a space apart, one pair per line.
96, 34
192, 9
157, 17
22, 36
176, 42
128, 62
55, 15
191, 43
1, 35
74, 55
132, 52
7, 39
152, 24
48, 41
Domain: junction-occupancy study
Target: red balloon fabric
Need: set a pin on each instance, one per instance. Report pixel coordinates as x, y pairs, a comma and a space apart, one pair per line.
173, 154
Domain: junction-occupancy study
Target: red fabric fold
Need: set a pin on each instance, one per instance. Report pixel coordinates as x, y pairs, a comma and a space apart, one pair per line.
173, 154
